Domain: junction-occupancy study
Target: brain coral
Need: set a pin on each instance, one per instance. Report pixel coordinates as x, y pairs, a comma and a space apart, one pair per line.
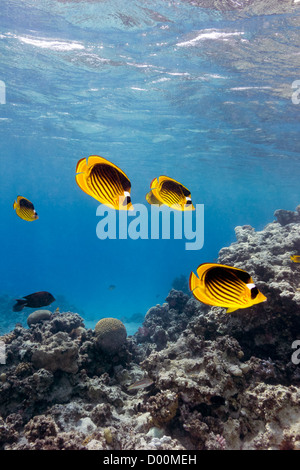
38, 316
111, 334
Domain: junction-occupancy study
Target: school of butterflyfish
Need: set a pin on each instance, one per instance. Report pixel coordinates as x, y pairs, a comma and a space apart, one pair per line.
214, 284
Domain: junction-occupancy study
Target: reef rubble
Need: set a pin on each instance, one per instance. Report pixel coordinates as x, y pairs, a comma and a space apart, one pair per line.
216, 380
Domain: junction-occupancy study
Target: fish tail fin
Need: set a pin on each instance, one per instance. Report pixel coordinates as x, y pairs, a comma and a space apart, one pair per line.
194, 281
154, 183
81, 172
19, 305
81, 165
151, 199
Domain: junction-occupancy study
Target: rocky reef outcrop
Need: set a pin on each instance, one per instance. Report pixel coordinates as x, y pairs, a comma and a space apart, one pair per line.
215, 380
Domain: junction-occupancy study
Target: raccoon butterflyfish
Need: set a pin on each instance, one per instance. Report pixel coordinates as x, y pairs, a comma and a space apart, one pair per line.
295, 258
36, 300
104, 181
25, 209
167, 191
224, 286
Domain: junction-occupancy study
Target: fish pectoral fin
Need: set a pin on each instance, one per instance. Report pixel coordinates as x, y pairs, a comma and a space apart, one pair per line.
118, 201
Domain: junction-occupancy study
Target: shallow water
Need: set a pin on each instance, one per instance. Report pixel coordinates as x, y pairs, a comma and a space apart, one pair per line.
204, 92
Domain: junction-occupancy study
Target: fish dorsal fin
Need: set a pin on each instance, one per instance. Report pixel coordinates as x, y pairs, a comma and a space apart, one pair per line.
163, 179
96, 159
23, 202
211, 274
224, 275
124, 180
239, 273
204, 267
243, 275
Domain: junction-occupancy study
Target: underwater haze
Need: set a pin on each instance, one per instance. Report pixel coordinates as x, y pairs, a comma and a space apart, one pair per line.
205, 92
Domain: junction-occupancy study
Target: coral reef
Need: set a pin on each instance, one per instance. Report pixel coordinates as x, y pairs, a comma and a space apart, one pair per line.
9, 318
38, 316
220, 381
111, 334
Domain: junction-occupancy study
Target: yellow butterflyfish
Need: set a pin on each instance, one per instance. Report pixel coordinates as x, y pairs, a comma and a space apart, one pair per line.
224, 286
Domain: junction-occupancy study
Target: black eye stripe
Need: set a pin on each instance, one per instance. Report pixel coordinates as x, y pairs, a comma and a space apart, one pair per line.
254, 292
126, 201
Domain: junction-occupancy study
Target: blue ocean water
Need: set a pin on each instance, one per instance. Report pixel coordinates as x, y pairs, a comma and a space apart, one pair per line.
204, 92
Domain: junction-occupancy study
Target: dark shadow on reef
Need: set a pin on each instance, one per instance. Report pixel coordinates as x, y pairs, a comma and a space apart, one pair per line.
192, 377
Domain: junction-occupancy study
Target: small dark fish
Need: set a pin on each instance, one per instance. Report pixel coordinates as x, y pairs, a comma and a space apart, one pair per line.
25, 209
36, 300
144, 383
112, 287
